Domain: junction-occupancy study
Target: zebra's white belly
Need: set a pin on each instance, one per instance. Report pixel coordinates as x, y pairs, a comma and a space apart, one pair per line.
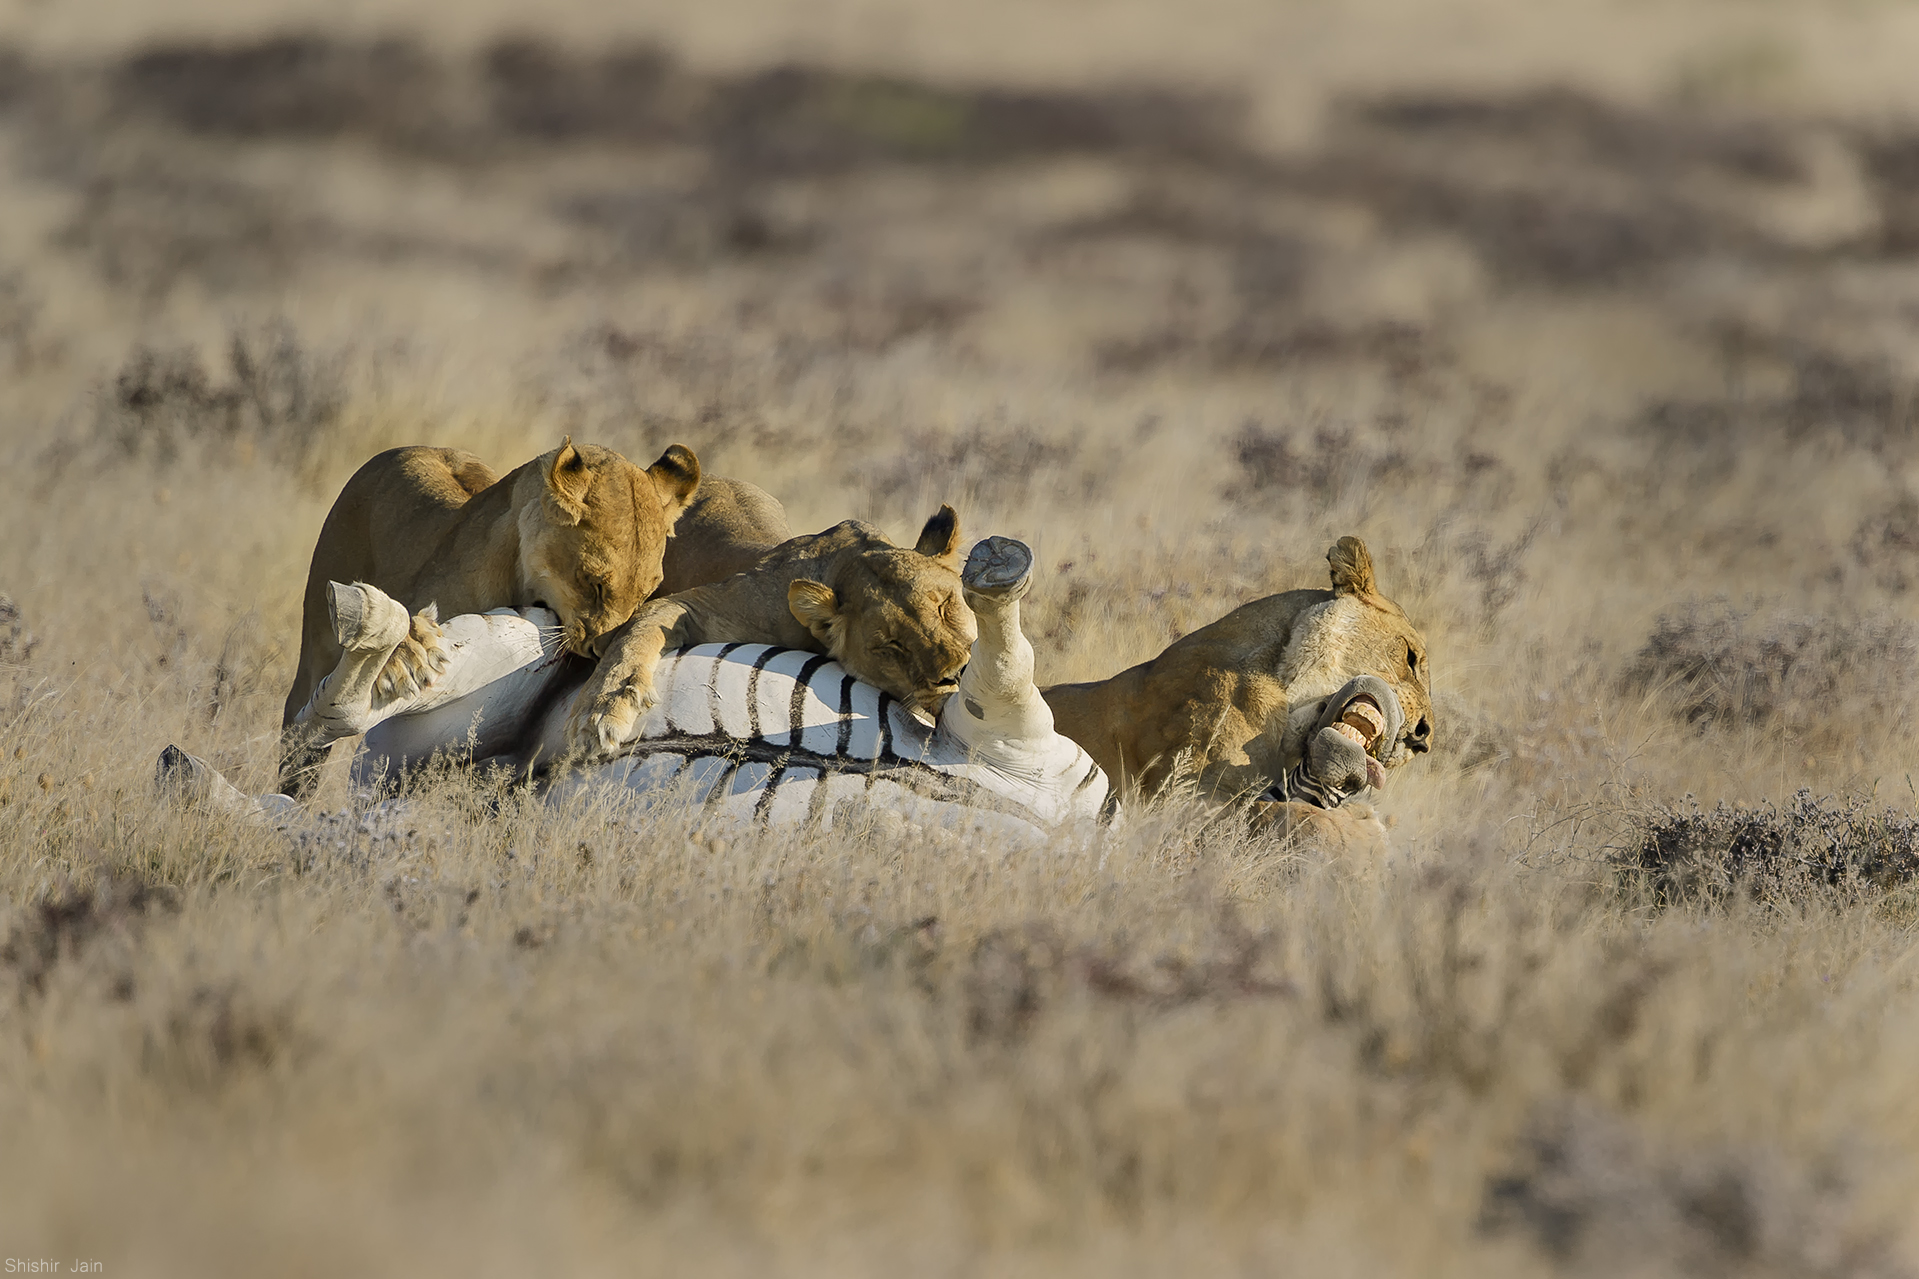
778, 736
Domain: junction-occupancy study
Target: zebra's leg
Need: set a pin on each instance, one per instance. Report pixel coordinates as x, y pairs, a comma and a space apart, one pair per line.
191, 782
488, 661
997, 700
370, 626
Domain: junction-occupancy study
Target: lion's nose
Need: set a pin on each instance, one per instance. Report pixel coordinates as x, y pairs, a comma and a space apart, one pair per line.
1420, 740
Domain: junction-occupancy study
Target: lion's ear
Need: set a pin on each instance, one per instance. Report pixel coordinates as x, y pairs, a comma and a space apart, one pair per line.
940, 539
1352, 567
567, 482
816, 607
677, 478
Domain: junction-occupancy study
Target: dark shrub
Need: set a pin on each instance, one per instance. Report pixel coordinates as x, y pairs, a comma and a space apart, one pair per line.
277, 398
1686, 854
1601, 1197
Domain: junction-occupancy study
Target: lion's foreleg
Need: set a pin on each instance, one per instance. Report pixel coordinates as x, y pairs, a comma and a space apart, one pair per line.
606, 712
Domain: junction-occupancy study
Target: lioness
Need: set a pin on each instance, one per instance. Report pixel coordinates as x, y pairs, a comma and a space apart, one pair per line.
892, 617
580, 530
1241, 700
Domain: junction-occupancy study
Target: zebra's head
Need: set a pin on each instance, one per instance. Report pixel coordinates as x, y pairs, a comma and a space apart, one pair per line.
895, 617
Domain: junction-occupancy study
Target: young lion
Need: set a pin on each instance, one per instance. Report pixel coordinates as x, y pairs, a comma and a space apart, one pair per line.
893, 617
580, 529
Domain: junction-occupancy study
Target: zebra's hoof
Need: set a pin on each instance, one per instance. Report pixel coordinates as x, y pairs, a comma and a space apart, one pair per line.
180, 777
1000, 569
366, 618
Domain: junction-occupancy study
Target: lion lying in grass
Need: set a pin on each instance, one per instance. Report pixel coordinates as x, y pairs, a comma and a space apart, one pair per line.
1239, 704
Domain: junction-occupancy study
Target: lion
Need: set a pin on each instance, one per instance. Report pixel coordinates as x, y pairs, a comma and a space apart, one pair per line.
729, 527
893, 617
1240, 702
580, 529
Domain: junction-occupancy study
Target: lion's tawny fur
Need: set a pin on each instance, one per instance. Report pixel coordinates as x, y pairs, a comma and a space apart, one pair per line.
729, 527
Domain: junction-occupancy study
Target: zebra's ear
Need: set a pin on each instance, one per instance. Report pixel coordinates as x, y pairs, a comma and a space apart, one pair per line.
816, 607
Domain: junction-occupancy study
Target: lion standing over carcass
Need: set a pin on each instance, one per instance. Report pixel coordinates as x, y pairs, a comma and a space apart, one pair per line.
580, 530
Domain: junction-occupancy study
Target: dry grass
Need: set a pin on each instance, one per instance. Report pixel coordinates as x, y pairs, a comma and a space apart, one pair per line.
1609, 355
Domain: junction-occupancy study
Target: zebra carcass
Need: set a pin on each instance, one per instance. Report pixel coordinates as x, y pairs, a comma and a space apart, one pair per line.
749, 732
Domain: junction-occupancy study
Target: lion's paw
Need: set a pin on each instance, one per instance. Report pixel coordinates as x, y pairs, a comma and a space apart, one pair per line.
609, 720
1352, 828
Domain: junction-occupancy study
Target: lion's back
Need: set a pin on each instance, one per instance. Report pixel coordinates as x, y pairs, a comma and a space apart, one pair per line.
392, 512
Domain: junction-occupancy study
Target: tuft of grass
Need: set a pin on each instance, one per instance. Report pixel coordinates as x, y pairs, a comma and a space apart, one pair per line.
276, 400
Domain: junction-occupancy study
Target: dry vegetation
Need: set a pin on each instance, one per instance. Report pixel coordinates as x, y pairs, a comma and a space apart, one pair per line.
1621, 387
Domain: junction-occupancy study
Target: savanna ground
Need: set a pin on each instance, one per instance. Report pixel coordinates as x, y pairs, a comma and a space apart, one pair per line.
1596, 320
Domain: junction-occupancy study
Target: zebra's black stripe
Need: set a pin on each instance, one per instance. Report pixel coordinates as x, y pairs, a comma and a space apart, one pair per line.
767, 792
753, 690
816, 801
931, 783
802, 684
922, 779
1092, 772
714, 705
846, 717
1302, 785
722, 787
883, 752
